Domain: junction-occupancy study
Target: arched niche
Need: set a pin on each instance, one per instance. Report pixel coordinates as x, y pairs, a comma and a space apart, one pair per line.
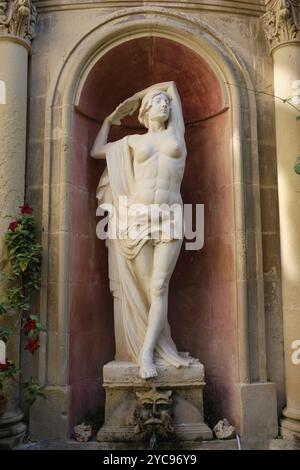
202, 308
210, 290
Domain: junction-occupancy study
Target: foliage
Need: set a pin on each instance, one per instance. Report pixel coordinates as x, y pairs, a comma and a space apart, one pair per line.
8, 370
21, 281
297, 166
33, 390
5, 332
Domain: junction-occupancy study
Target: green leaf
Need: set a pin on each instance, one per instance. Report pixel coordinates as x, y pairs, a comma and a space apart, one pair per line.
40, 327
23, 265
297, 166
34, 317
3, 308
33, 390
5, 332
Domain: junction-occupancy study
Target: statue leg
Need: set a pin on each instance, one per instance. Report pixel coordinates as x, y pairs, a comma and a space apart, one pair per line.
164, 260
143, 266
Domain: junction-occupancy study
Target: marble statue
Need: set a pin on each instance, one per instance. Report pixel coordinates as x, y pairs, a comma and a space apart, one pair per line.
148, 170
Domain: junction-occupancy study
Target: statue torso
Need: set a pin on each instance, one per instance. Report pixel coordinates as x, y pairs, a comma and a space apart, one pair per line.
159, 160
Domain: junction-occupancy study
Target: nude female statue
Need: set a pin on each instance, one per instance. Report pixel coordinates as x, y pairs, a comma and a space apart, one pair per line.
147, 169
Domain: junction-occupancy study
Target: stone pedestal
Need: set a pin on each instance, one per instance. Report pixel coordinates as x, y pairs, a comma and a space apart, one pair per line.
121, 382
12, 429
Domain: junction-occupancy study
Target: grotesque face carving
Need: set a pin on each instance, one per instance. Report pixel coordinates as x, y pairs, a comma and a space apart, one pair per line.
153, 414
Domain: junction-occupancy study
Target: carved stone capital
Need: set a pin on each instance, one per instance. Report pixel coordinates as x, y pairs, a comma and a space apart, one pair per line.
17, 19
282, 22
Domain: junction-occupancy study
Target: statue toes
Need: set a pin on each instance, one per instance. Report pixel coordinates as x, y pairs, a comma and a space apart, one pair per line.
148, 372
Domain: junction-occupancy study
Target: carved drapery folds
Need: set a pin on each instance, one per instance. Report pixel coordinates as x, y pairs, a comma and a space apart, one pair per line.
18, 18
282, 22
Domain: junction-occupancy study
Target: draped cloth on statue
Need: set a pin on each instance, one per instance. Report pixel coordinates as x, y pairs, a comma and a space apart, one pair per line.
115, 183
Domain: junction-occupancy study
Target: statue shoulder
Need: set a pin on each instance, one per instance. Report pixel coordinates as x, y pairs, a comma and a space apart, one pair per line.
134, 140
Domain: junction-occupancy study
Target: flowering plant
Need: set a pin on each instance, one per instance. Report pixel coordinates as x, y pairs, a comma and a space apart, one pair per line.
22, 279
7, 371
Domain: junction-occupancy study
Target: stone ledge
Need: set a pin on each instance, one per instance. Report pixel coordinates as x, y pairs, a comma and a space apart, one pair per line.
59, 444
246, 444
123, 374
242, 7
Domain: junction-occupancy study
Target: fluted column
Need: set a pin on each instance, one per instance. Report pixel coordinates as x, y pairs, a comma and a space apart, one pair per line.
17, 21
282, 27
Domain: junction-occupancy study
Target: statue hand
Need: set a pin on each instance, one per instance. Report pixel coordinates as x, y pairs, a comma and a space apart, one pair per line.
124, 109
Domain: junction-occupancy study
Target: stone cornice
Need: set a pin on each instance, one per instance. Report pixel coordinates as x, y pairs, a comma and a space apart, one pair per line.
282, 22
17, 19
238, 7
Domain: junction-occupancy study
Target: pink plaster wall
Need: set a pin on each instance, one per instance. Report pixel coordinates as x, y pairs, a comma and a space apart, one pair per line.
202, 307
91, 311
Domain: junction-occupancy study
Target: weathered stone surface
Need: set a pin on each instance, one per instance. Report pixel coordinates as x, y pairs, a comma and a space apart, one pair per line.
231, 444
121, 381
82, 432
259, 410
224, 430
282, 22
18, 18
54, 413
126, 373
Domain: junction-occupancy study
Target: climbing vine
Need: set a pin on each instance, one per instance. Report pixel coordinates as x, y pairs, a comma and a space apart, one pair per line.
20, 281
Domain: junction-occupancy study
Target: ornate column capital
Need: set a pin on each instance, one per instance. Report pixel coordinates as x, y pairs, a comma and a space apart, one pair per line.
17, 19
282, 22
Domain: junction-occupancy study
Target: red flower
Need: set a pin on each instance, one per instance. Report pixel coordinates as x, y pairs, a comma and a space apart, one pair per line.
32, 344
29, 325
5, 367
26, 209
13, 225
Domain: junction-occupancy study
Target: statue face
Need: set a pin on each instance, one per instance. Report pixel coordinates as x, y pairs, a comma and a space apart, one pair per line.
160, 108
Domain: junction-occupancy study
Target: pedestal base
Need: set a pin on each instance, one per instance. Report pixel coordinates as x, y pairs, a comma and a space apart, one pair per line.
290, 429
121, 382
12, 429
258, 405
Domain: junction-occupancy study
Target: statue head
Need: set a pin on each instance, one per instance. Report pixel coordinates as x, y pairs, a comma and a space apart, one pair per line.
156, 105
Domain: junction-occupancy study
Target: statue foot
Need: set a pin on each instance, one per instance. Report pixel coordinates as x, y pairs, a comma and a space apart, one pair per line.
147, 369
